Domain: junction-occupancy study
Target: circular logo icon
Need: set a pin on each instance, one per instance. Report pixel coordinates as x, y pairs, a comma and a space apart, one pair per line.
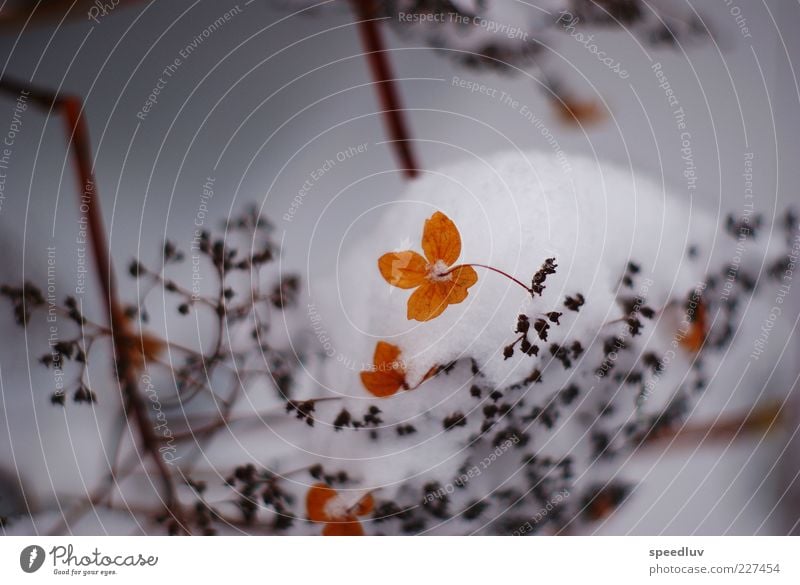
31, 558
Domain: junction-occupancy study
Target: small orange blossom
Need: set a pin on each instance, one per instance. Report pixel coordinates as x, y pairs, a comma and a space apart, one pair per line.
576, 112
134, 347
388, 374
324, 504
698, 329
438, 285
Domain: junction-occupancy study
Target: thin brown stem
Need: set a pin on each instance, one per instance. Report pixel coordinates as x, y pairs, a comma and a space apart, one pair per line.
492, 268
762, 419
385, 85
71, 107
225, 420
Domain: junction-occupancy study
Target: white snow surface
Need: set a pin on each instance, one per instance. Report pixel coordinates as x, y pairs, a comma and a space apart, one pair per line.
513, 211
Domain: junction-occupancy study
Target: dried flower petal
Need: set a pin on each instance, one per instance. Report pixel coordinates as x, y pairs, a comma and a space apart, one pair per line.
365, 505
388, 375
317, 499
352, 528
403, 269
698, 329
441, 240
437, 284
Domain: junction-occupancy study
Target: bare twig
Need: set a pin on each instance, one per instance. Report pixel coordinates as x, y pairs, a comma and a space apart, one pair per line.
123, 339
759, 420
385, 85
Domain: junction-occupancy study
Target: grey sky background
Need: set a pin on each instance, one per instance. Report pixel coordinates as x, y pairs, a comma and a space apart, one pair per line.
268, 97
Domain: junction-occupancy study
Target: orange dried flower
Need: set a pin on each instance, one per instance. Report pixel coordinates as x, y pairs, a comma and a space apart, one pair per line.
135, 347
324, 504
571, 111
388, 374
698, 329
437, 284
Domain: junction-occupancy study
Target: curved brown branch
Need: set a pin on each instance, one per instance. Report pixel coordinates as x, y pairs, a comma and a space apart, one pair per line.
124, 339
760, 420
385, 85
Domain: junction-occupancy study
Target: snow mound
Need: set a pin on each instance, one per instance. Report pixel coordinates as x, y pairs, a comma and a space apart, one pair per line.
513, 211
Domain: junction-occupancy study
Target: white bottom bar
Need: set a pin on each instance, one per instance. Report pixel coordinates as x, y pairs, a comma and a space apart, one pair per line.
389, 560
